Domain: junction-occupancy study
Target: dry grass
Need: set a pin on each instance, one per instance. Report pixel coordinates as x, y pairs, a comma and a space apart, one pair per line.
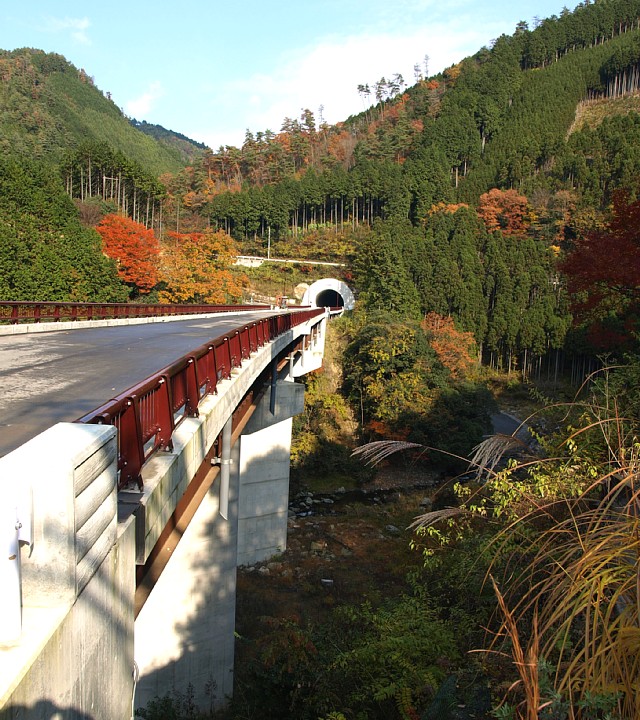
579, 596
591, 113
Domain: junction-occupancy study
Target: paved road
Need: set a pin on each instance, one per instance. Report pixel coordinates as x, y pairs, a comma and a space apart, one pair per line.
507, 424
51, 377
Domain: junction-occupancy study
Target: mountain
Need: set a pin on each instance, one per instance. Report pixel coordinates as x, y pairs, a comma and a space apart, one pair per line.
456, 195
502, 118
190, 150
48, 108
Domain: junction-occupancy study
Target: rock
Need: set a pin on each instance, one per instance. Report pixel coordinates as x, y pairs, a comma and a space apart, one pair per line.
392, 530
300, 289
318, 546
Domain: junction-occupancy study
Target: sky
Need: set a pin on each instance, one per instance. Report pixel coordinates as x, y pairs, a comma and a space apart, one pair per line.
214, 69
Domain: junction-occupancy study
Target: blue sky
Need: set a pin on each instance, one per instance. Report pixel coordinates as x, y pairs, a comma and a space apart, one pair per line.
211, 70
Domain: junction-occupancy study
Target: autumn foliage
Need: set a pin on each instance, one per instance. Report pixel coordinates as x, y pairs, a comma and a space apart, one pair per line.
197, 267
603, 274
455, 349
504, 210
135, 250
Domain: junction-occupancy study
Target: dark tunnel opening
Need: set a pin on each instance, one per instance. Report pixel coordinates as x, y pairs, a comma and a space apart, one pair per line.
329, 298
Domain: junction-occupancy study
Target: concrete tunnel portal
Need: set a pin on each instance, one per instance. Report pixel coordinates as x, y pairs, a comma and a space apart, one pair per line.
329, 292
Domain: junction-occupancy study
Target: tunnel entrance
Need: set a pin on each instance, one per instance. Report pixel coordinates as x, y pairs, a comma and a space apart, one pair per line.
329, 293
329, 298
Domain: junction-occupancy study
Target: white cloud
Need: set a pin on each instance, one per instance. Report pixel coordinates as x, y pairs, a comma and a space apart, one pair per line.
141, 106
77, 26
328, 74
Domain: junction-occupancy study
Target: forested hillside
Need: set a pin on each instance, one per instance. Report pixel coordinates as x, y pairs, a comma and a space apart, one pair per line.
498, 119
82, 199
459, 194
48, 108
189, 150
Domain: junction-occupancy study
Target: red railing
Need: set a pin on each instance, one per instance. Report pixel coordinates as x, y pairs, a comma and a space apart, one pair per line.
15, 312
146, 414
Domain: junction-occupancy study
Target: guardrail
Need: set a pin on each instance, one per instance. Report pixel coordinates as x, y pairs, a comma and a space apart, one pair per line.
146, 414
16, 311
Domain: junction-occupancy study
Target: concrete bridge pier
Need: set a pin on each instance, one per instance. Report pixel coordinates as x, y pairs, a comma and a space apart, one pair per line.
265, 453
184, 633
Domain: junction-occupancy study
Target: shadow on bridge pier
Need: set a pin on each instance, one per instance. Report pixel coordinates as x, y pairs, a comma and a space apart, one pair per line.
185, 633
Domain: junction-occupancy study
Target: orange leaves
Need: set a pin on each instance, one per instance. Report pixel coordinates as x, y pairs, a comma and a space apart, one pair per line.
504, 210
449, 208
341, 146
197, 267
135, 249
455, 349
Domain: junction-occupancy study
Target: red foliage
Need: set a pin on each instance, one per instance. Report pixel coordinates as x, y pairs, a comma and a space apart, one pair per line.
382, 429
603, 273
135, 249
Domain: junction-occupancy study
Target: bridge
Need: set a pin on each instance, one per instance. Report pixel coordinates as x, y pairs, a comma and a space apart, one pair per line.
122, 527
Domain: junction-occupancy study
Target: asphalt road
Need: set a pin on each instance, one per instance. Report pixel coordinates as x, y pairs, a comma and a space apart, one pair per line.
506, 424
59, 376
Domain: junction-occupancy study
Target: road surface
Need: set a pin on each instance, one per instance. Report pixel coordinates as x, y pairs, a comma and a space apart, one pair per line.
59, 376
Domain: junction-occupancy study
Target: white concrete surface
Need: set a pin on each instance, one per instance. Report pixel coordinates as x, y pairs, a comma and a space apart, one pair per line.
75, 652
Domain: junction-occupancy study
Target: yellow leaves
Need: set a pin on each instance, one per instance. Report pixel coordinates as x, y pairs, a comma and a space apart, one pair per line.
448, 208
393, 395
452, 73
189, 199
197, 267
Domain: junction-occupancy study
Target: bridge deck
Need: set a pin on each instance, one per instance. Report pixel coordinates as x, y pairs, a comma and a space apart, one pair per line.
59, 376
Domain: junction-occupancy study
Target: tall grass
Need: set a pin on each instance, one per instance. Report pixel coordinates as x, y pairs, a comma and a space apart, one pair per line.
566, 556
577, 596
